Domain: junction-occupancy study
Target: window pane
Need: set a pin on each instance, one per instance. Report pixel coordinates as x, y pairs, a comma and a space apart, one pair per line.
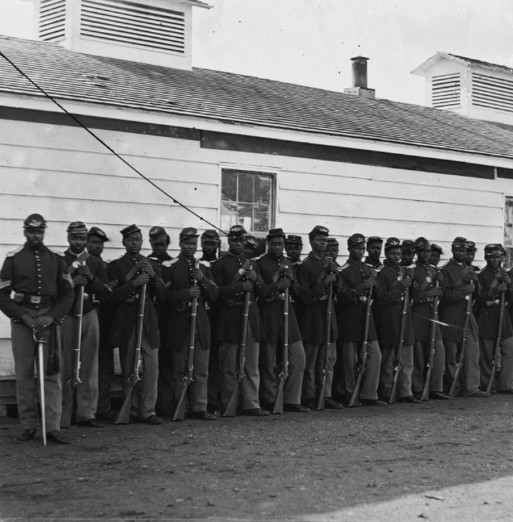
246, 184
262, 218
262, 189
245, 217
229, 186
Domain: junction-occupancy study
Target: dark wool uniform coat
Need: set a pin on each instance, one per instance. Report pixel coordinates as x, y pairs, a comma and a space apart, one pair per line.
96, 289
453, 306
390, 293
424, 279
228, 309
271, 306
352, 307
311, 275
35, 272
178, 279
125, 300
488, 309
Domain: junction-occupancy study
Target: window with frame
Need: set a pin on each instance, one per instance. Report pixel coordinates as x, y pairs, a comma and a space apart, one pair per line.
248, 199
508, 231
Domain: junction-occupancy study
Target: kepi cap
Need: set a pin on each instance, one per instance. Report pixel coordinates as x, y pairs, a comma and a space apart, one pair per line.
294, 240
98, 232
276, 232
408, 245
319, 230
129, 230
374, 239
459, 242
332, 241
188, 233
436, 248
421, 243
236, 231
356, 240
392, 242
34, 221
210, 235
471, 246
493, 249
157, 231
77, 227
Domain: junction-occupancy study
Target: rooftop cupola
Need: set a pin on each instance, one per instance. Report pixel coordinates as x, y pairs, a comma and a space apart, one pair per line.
149, 31
469, 87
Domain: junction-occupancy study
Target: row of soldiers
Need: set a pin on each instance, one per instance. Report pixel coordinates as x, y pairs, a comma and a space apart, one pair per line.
313, 333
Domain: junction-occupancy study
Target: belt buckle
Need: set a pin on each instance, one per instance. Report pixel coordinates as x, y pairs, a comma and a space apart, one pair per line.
363, 298
35, 299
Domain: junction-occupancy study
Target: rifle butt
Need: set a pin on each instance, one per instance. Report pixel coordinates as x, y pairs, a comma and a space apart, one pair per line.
455, 379
233, 401
393, 391
492, 378
427, 381
356, 391
67, 407
321, 400
278, 403
179, 414
124, 413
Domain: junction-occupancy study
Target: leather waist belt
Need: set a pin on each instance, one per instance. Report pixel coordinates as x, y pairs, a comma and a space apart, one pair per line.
188, 304
33, 300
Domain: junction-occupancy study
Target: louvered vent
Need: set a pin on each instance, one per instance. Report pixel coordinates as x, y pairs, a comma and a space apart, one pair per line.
52, 17
492, 92
146, 27
445, 90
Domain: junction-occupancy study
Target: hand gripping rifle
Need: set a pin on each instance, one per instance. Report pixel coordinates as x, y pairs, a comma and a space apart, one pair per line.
432, 347
74, 380
497, 349
325, 368
41, 341
189, 371
398, 362
124, 413
284, 372
461, 354
363, 354
233, 401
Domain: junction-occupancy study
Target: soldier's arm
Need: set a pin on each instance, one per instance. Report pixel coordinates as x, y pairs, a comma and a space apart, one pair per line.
120, 291
388, 293
65, 293
225, 291
312, 286
208, 287
7, 305
452, 293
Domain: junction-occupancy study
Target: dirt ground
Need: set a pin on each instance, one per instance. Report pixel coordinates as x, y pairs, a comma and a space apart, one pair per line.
293, 466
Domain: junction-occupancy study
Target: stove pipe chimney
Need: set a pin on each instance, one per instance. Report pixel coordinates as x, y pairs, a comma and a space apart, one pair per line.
360, 79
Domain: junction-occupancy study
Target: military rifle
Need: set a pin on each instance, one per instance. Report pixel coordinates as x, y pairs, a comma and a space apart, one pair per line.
432, 348
284, 372
363, 352
233, 401
74, 380
124, 413
398, 362
41, 341
325, 368
461, 354
189, 371
497, 349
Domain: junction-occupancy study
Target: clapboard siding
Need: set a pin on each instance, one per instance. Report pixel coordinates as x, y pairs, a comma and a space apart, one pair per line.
64, 174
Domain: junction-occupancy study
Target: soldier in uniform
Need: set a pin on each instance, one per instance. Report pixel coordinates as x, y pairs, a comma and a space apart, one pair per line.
210, 244
407, 252
493, 280
294, 247
234, 274
394, 323
96, 239
470, 255
278, 274
159, 242
458, 285
374, 245
426, 287
356, 282
332, 249
126, 276
436, 252
87, 272
315, 275
185, 281
43, 294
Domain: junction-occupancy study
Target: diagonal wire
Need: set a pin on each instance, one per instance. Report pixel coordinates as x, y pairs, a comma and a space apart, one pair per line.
108, 147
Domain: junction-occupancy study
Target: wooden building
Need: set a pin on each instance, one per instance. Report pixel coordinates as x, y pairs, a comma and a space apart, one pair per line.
235, 149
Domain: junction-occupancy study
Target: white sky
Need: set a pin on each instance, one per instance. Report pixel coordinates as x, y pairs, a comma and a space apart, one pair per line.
310, 42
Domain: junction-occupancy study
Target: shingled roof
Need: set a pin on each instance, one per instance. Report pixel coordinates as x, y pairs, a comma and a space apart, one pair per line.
244, 100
